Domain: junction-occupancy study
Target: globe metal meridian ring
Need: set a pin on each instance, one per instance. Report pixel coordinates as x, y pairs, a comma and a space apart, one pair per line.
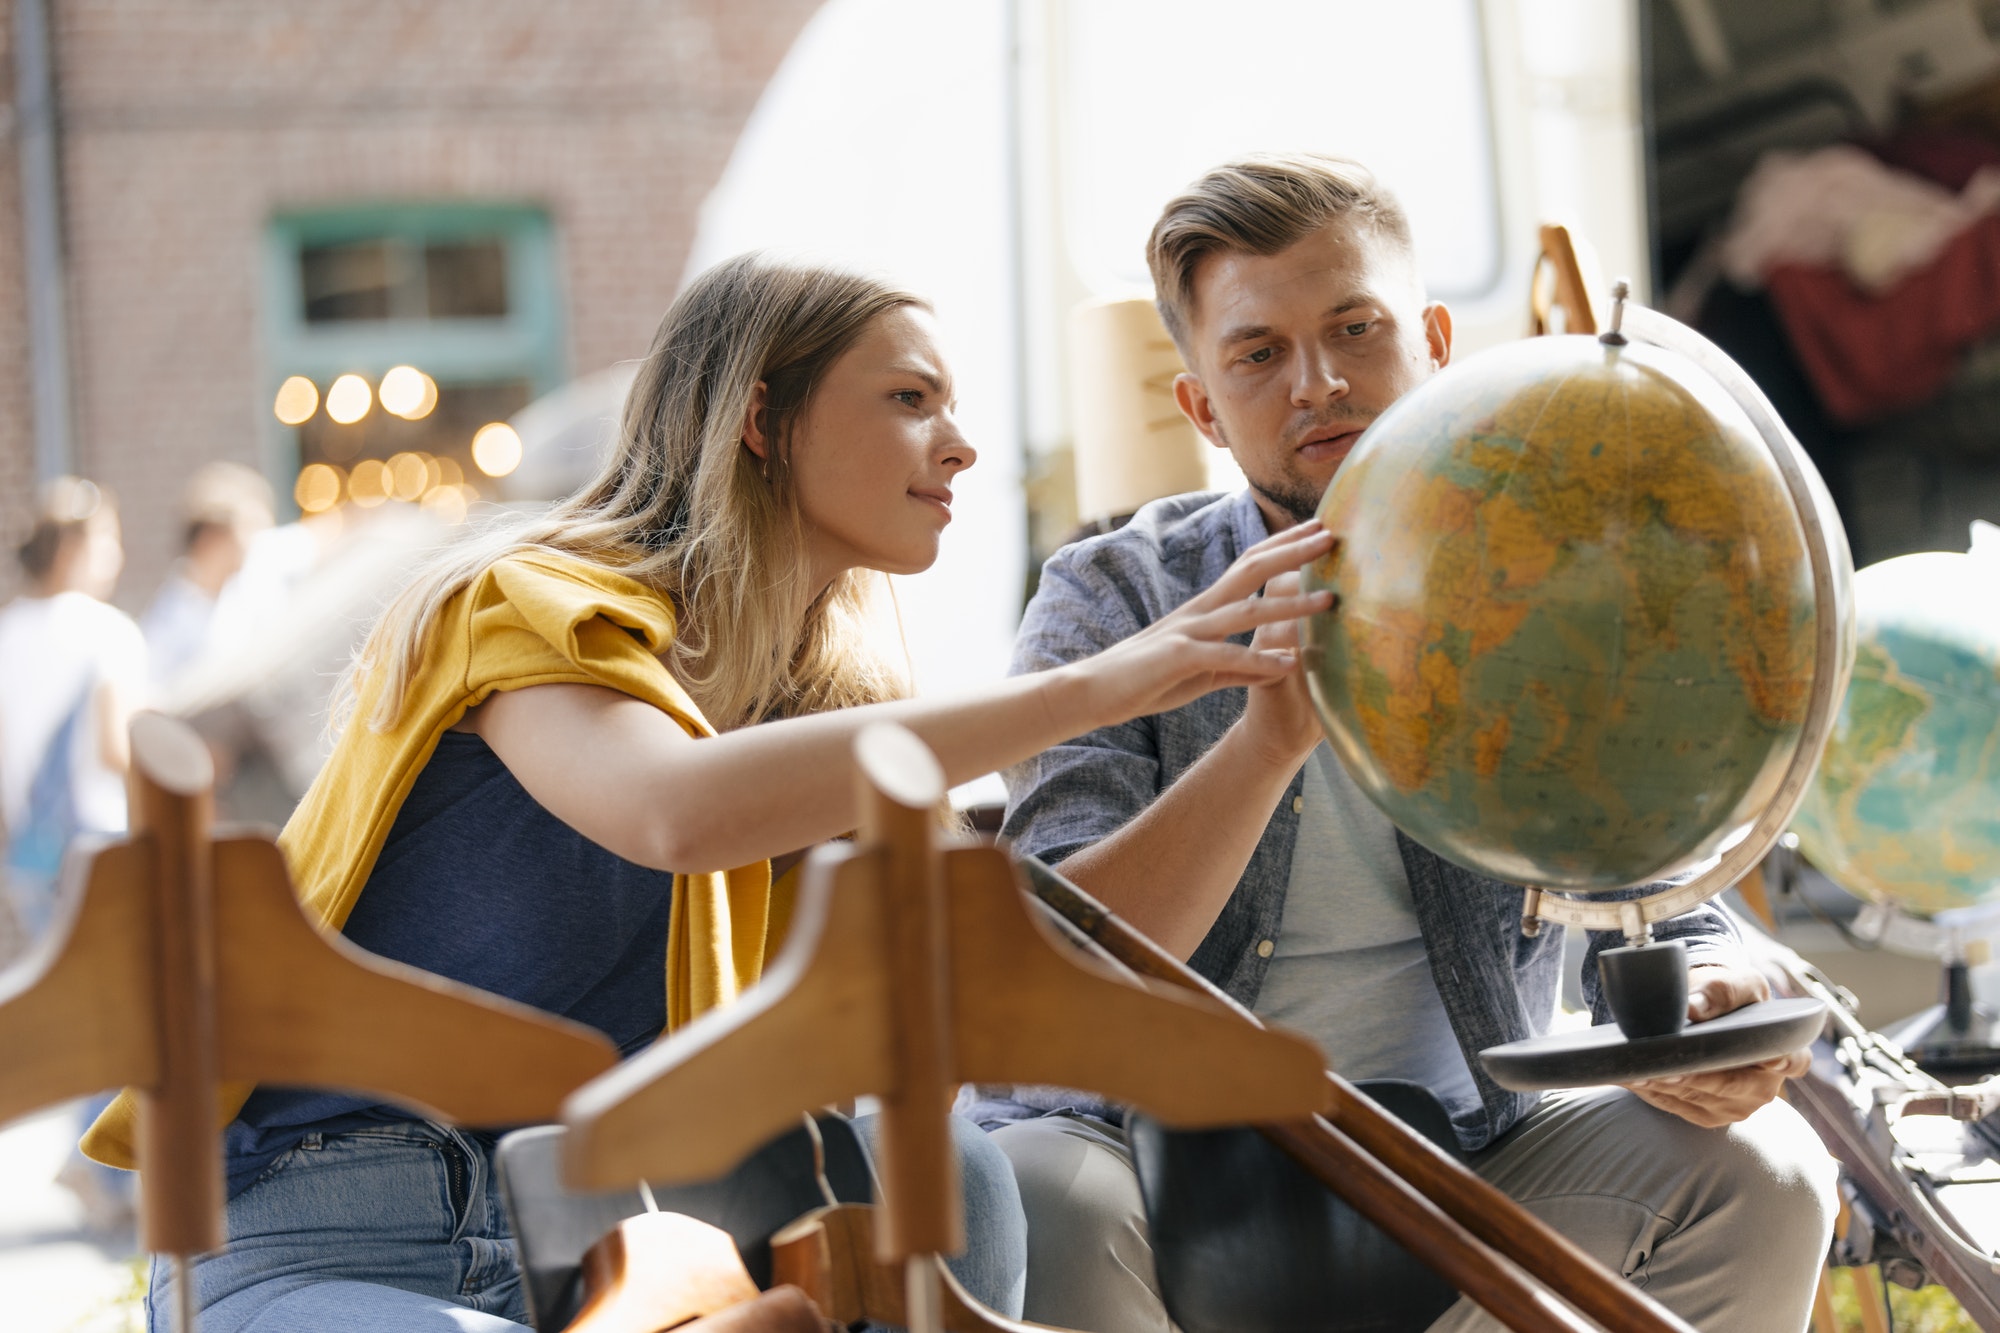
1833, 645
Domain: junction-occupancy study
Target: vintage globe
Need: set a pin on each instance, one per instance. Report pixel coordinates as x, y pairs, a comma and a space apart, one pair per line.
1905, 805
1574, 641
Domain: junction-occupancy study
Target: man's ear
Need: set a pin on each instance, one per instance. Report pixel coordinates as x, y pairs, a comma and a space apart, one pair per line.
1437, 332
1193, 401
753, 423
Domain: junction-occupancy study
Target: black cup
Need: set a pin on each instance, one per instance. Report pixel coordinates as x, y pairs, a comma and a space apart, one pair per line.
1647, 987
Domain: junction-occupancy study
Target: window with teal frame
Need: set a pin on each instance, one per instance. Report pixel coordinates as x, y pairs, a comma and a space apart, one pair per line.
400, 338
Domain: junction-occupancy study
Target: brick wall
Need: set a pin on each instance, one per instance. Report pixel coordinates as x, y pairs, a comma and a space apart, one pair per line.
186, 126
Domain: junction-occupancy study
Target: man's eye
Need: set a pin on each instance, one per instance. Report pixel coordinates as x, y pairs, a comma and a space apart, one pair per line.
1356, 330
1260, 356
909, 397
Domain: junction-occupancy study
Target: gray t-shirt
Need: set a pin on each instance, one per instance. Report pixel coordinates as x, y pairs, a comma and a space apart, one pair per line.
1349, 967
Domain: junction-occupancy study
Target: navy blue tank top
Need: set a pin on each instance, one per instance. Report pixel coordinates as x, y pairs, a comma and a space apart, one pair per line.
480, 884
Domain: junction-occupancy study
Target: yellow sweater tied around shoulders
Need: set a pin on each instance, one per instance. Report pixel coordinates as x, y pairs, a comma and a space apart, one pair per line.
531, 619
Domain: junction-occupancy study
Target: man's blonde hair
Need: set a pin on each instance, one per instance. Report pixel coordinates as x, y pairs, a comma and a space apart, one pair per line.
1261, 205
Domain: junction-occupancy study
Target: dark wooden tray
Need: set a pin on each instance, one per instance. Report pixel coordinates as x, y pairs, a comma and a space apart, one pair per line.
1586, 1057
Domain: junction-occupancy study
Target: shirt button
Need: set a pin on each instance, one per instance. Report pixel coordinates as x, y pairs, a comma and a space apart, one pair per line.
1298, 805
1264, 948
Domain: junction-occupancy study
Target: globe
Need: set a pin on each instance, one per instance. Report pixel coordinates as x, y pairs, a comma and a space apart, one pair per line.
1904, 807
1573, 646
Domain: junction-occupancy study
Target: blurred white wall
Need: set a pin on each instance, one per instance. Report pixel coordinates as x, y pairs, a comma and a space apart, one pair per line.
883, 142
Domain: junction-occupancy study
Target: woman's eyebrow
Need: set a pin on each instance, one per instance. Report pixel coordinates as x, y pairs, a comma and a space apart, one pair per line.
924, 373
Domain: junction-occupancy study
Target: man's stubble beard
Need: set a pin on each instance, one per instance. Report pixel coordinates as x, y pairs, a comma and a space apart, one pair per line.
1301, 502
1297, 496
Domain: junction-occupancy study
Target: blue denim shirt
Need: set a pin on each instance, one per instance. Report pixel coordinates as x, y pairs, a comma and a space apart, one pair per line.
1497, 985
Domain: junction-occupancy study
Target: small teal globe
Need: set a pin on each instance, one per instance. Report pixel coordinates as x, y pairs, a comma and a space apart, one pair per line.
1905, 805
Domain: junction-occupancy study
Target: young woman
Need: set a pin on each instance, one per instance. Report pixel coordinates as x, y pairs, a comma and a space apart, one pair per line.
578, 749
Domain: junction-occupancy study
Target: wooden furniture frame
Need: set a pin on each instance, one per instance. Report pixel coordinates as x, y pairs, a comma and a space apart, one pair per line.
830, 1255
184, 961
1559, 283
914, 967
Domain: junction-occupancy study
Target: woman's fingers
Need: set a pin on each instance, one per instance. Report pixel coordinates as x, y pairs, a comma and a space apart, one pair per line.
1261, 664
1284, 535
1257, 566
1206, 665
1248, 670
1250, 612
1188, 652
1269, 558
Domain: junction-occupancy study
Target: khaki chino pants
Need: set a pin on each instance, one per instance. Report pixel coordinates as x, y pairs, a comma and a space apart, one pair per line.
1725, 1227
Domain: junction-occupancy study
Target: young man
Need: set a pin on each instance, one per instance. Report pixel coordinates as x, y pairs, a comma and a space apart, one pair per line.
1228, 831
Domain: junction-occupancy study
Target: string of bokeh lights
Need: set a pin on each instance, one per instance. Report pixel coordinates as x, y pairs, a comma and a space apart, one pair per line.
411, 477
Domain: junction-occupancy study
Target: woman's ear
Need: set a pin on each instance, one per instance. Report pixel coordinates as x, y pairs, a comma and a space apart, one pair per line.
753, 424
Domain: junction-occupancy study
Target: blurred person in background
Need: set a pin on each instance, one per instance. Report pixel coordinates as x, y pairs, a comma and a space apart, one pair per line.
72, 669
226, 506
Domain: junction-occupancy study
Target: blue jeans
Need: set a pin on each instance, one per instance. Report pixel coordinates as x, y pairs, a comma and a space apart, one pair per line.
32, 896
400, 1229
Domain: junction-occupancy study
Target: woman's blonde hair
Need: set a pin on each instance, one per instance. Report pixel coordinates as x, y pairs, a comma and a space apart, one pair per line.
684, 506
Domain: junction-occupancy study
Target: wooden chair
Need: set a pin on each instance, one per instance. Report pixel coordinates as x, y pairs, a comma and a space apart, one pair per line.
183, 960
912, 968
830, 1255
1559, 293
774, 1207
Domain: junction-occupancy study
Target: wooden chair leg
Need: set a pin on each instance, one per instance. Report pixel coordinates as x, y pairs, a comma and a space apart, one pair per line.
1870, 1294
1823, 1320
1756, 896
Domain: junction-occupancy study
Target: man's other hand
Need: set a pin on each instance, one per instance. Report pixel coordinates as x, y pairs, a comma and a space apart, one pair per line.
1723, 1096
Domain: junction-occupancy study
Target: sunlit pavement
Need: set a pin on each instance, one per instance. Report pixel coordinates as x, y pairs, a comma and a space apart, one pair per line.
55, 1275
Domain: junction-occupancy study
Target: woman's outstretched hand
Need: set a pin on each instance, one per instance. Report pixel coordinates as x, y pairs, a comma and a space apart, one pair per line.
1187, 654
630, 778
